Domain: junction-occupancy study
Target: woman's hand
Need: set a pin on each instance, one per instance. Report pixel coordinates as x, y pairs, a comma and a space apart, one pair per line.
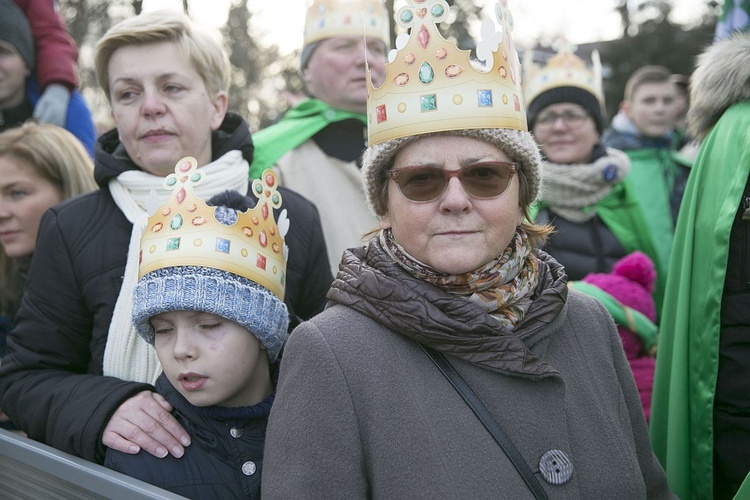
145, 422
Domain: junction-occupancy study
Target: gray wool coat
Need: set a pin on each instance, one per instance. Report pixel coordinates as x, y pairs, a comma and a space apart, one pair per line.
362, 412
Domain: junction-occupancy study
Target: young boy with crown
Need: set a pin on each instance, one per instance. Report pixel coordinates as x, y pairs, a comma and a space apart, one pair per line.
209, 299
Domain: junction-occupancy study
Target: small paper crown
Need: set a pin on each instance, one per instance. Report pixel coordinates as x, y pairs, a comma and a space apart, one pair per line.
432, 86
331, 18
564, 69
185, 232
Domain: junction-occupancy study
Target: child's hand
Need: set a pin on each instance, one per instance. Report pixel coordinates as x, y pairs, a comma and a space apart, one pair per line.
145, 422
52, 106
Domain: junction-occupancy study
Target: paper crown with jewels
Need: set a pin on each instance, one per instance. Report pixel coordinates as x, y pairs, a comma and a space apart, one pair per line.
331, 18
564, 69
185, 232
431, 85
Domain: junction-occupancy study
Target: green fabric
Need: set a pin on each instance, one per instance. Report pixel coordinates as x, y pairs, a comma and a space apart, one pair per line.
298, 125
625, 316
652, 173
744, 492
622, 214
687, 363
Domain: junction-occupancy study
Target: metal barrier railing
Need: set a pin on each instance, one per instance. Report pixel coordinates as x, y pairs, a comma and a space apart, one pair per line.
32, 470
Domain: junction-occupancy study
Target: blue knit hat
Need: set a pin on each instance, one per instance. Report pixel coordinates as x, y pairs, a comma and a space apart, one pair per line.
196, 288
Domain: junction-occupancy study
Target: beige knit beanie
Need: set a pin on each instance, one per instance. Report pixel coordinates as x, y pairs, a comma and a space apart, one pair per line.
519, 146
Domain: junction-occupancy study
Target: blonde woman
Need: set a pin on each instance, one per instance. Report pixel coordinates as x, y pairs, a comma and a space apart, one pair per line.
40, 166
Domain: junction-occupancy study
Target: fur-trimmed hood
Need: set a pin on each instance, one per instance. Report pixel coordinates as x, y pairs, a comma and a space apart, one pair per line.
721, 79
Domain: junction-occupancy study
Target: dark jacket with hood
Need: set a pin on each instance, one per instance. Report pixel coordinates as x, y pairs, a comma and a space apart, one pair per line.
51, 382
224, 460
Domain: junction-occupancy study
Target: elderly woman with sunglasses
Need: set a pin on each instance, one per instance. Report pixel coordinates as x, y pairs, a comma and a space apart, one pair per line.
454, 285
587, 196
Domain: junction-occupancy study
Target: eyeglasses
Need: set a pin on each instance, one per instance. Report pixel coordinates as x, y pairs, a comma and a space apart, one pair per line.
571, 118
481, 180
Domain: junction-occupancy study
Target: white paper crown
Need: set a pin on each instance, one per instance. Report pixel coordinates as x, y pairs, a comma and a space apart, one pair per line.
564, 69
185, 232
331, 18
431, 85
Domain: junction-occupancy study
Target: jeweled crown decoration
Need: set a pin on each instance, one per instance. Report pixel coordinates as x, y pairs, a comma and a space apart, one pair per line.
431, 85
331, 18
185, 232
564, 69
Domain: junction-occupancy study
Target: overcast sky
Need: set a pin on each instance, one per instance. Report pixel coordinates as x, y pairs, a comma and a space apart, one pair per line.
580, 21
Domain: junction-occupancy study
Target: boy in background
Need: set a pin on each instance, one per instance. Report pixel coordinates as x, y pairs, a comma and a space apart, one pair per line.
644, 128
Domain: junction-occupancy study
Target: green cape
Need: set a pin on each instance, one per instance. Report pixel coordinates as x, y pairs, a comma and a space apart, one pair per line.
652, 191
687, 362
622, 214
298, 124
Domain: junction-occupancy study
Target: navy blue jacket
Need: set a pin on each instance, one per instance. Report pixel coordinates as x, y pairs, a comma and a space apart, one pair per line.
224, 460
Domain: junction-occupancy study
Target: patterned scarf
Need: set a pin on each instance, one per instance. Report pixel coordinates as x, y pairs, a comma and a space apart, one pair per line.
503, 286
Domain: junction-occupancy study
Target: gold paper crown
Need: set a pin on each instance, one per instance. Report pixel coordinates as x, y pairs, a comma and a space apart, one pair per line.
432, 86
564, 69
330, 18
185, 232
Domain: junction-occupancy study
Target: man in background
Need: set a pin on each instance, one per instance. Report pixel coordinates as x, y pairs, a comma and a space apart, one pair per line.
316, 146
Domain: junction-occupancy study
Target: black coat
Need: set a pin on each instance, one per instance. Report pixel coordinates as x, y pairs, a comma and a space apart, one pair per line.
224, 460
588, 247
731, 422
51, 382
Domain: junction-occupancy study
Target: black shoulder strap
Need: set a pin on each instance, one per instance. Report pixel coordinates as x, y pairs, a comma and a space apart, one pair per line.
490, 424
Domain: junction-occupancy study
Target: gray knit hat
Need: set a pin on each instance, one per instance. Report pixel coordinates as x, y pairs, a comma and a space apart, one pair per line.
519, 146
15, 30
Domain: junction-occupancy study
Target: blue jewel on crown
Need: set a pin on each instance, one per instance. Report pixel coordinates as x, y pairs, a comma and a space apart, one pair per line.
484, 98
222, 245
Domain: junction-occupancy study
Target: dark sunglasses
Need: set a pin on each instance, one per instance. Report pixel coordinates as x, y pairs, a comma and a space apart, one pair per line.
481, 180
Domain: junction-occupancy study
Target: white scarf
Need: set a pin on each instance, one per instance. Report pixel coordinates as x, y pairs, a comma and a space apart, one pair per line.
126, 356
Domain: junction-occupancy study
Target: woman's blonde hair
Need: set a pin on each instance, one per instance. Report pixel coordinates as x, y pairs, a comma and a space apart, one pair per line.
57, 156
205, 54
